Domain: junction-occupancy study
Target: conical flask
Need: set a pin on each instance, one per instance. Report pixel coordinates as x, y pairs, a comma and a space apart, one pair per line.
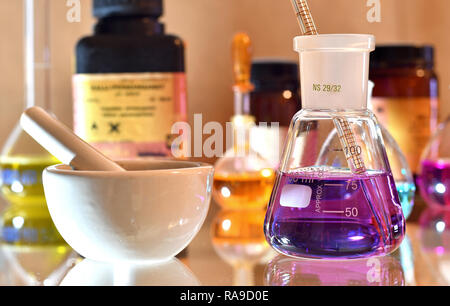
434, 172
27, 229
340, 200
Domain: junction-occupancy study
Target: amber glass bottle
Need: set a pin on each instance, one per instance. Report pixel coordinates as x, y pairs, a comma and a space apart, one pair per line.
405, 97
275, 99
129, 86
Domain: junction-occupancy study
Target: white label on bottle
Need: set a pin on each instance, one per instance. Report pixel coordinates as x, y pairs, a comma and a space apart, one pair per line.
297, 196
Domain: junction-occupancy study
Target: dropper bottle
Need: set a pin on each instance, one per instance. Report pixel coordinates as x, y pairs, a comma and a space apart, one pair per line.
243, 179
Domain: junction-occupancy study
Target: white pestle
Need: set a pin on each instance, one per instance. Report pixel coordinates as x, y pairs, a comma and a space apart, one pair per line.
62, 143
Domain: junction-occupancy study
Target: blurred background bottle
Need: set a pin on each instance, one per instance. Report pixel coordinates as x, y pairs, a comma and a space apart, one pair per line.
130, 86
275, 99
401, 171
405, 97
405, 100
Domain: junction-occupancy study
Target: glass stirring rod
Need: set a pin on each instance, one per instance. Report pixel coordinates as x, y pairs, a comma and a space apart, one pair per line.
346, 135
304, 17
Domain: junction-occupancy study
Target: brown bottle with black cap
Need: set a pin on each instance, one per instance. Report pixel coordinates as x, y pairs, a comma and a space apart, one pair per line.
405, 96
129, 87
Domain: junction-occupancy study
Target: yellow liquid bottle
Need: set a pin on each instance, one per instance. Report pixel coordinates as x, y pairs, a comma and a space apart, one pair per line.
28, 235
26, 220
248, 190
243, 179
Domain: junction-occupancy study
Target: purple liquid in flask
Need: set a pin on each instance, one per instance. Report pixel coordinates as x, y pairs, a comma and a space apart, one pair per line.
334, 197
434, 182
334, 215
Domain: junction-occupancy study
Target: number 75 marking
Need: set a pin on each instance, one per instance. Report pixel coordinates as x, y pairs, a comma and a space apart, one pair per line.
353, 185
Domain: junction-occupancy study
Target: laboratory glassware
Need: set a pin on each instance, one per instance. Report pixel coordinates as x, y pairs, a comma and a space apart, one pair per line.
243, 179
401, 171
27, 230
336, 201
434, 171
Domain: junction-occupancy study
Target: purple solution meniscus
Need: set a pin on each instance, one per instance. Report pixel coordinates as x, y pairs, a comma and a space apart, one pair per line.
334, 215
434, 182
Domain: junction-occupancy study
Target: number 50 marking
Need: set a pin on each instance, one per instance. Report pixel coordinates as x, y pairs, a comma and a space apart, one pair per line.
351, 212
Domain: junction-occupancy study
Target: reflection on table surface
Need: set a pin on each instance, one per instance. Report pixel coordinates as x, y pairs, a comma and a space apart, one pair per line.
378, 271
91, 273
231, 250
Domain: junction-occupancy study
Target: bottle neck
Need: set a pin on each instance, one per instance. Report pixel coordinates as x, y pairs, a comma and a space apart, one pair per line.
334, 80
242, 125
241, 102
129, 25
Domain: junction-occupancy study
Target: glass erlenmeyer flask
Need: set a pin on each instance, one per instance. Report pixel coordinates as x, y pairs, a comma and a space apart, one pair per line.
339, 201
26, 225
434, 170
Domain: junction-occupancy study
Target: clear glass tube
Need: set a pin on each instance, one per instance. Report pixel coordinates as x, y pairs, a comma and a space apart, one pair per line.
27, 229
37, 53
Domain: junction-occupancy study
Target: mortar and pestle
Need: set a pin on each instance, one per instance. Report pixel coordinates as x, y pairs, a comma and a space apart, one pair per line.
138, 211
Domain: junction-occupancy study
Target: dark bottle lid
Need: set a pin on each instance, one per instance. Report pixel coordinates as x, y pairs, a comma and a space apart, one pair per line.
275, 75
108, 8
402, 56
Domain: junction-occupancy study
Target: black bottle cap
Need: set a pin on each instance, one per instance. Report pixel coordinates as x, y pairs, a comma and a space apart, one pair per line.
402, 56
108, 8
275, 75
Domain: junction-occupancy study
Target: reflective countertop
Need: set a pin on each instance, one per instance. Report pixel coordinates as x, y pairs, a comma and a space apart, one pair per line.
231, 250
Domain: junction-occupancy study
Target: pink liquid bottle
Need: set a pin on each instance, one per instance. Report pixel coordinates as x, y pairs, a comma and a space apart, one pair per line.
434, 171
341, 202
